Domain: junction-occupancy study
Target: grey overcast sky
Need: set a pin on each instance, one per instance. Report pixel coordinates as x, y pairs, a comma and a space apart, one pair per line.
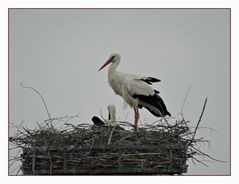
58, 52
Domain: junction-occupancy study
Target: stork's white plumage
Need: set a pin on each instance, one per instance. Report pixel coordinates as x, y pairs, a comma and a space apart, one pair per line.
112, 113
135, 89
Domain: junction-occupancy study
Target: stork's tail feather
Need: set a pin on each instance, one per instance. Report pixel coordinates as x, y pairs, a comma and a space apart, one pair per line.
154, 104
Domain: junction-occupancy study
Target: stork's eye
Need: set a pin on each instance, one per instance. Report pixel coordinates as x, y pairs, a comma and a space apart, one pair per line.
112, 58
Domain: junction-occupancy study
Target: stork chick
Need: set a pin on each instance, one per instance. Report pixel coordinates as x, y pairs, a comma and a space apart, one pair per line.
111, 117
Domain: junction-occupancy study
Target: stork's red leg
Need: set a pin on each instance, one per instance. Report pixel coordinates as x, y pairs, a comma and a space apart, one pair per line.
136, 118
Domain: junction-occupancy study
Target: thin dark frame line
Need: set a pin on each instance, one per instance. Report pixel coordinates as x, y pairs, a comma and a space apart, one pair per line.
123, 8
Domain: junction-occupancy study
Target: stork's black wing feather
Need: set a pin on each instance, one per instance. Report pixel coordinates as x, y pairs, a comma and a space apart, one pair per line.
150, 80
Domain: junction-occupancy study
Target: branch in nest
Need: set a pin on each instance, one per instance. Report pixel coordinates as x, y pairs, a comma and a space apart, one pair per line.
193, 158
44, 103
203, 109
204, 154
184, 100
110, 137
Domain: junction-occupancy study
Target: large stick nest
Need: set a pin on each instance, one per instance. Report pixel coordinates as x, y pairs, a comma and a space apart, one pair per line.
158, 148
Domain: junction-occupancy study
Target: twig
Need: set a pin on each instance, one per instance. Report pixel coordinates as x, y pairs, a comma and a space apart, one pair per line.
63, 117
193, 162
20, 168
111, 133
184, 100
211, 129
124, 123
93, 142
123, 138
200, 161
203, 109
16, 169
204, 154
44, 103
50, 159
101, 115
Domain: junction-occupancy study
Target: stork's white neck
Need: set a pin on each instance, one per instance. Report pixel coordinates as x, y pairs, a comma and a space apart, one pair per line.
112, 115
112, 69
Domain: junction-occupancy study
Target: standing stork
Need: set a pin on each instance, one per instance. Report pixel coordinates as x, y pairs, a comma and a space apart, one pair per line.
135, 90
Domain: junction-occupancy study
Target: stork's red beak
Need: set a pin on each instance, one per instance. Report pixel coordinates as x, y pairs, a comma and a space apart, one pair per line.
106, 63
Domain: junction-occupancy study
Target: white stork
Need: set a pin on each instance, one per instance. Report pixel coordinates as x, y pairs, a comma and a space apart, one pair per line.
112, 114
111, 117
135, 90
